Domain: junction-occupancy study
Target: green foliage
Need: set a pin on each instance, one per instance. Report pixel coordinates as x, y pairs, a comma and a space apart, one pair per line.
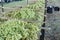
17, 30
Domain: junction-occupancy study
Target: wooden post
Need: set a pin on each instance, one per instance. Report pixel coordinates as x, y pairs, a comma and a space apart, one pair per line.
43, 30
2, 5
27, 1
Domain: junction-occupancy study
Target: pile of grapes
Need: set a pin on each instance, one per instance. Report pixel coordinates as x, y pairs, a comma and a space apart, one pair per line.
23, 24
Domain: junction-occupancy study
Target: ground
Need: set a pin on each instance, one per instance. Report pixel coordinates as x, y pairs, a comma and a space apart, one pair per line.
53, 22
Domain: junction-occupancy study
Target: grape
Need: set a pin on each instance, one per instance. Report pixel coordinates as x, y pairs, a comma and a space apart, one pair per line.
24, 23
16, 29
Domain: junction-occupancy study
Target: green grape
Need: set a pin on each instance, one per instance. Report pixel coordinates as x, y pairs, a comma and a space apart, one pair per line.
16, 29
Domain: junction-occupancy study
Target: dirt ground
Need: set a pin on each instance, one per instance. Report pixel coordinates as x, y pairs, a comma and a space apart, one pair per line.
53, 21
